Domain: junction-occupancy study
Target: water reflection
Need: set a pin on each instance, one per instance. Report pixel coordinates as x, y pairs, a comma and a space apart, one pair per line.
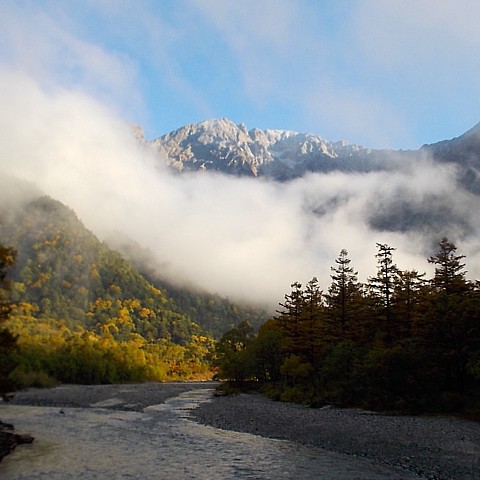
162, 443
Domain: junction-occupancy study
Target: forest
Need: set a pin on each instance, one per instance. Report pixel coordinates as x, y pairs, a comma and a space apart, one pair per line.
399, 342
72, 310
76, 311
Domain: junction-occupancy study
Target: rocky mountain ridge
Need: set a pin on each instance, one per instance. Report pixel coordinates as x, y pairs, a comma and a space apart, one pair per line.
223, 146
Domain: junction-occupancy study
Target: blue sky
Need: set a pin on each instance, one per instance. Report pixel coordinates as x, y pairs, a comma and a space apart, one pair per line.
379, 73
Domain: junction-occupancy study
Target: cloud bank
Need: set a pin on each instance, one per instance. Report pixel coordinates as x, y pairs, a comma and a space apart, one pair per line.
247, 239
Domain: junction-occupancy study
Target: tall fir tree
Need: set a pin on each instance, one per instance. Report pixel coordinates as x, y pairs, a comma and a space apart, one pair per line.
343, 298
382, 286
450, 273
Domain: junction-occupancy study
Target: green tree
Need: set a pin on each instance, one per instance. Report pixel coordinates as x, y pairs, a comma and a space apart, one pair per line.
289, 317
449, 326
269, 352
410, 293
343, 298
449, 271
234, 355
383, 288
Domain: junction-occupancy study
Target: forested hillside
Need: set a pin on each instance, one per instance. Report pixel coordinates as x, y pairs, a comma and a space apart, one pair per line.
83, 313
399, 341
213, 313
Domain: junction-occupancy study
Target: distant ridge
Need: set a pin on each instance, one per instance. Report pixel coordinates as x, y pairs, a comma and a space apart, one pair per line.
220, 145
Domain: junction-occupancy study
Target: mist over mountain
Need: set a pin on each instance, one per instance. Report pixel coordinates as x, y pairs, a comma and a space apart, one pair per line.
224, 147
237, 212
65, 273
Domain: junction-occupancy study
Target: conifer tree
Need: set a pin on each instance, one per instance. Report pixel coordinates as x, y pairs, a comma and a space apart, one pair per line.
290, 315
449, 271
343, 297
409, 293
383, 287
310, 320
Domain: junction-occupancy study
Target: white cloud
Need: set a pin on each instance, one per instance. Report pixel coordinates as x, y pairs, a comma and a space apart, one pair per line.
241, 237
44, 45
244, 238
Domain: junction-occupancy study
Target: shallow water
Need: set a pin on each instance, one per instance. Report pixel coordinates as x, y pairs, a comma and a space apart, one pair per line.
162, 442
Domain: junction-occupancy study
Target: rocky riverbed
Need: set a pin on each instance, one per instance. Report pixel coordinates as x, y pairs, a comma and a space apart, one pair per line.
431, 447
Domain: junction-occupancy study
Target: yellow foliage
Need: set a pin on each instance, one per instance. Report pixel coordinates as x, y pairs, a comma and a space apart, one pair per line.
42, 278
115, 289
94, 272
146, 313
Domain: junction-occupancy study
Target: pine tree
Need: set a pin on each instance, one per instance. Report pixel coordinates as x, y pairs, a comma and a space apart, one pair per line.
449, 271
290, 315
311, 320
343, 297
383, 287
449, 323
409, 293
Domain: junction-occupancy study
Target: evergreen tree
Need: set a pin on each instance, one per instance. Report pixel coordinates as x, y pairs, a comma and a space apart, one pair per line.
290, 316
311, 319
343, 298
383, 287
410, 292
449, 271
449, 323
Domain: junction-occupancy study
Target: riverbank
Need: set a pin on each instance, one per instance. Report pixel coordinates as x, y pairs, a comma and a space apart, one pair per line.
432, 447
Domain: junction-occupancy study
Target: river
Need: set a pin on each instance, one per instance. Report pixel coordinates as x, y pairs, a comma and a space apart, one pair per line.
162, 442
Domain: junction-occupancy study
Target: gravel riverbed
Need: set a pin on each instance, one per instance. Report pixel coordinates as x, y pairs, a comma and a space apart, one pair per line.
432, 447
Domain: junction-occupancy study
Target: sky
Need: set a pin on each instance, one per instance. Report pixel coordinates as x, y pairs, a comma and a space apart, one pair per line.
75, 75
379, 73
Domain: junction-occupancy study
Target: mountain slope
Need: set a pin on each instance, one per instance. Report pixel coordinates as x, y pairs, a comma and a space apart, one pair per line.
464, 151
222, 146
64, 272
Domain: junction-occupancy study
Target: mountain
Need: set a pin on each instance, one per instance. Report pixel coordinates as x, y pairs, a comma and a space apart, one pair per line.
464, 151
65, 273
222, 146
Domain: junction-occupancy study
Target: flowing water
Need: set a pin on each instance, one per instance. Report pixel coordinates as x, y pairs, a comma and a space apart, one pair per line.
162, 442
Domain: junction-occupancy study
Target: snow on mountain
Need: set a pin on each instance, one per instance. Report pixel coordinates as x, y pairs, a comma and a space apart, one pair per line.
224, 146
